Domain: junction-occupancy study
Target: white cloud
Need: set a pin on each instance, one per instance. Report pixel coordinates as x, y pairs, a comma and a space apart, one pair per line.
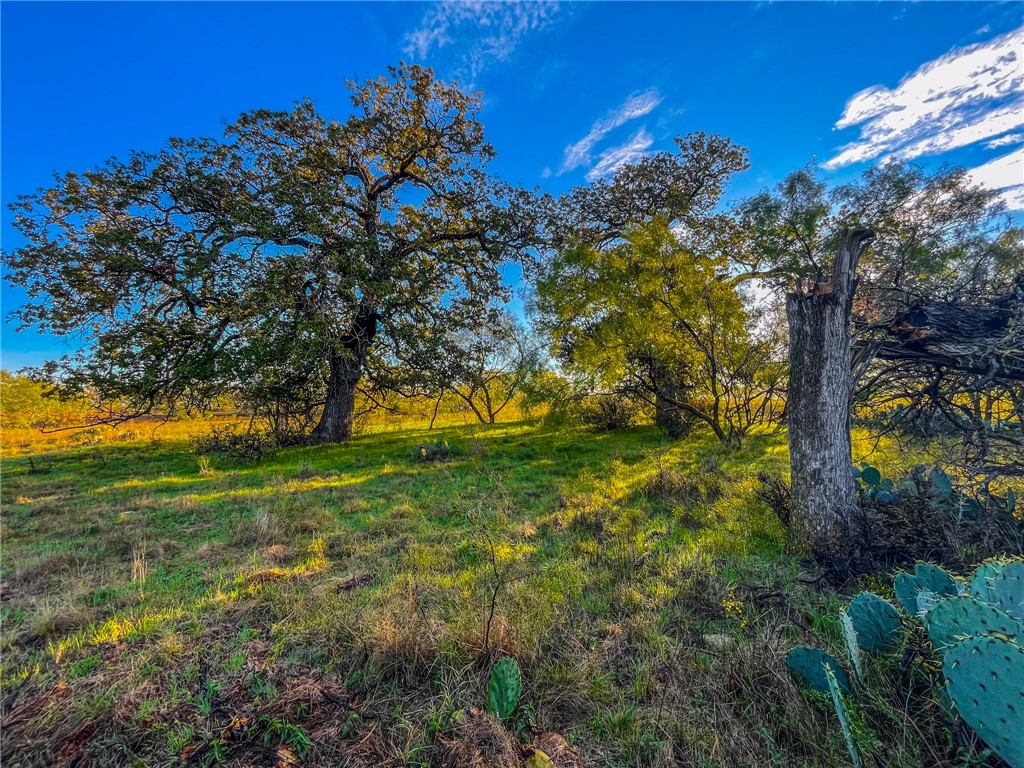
612, 159
970, 94
485, 31
1004, 173
637, 105
1002, 141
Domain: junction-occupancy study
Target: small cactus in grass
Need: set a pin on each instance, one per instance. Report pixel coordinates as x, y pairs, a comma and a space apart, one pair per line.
876, 622
504, 688
875, 487
985, 681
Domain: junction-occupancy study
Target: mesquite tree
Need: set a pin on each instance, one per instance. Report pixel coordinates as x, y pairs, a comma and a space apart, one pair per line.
276, 266
486, 365
659, 318
638, 294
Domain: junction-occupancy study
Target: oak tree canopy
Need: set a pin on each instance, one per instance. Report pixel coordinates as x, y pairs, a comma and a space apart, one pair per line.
284, 265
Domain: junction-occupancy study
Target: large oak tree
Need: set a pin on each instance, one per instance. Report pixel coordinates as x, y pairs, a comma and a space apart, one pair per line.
283, 265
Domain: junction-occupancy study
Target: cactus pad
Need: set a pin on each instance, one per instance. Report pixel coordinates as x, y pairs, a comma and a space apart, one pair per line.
876, 621
985, 680
926, 578
844, 720
981, 581
934, 579
852, 646
962, 617
1008, 589
504, 688
807, 665
870, 475
941, 483
906, 587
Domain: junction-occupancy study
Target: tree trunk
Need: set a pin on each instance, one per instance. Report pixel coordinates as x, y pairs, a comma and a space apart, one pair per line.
824, 497
672, 420
346, 368
335, 425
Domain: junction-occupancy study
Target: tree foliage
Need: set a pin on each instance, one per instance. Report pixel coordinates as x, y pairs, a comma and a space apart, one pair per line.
640, 295
23, 403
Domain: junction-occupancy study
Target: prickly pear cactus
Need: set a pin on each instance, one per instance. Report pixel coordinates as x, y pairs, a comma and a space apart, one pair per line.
844, 720
876, 621
985, 680
931, 578
926, 579
807, 665
504, 688
852, 646
981, 581
941, 483
1008, 589
870, 475
957, 618
906, 588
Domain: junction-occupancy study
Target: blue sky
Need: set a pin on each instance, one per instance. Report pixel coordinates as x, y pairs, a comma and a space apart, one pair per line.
571, 90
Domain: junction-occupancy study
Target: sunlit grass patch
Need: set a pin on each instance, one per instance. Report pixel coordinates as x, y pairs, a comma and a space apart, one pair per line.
600, 561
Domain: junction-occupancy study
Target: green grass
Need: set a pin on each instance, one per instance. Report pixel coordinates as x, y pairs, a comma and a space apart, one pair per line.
331, 604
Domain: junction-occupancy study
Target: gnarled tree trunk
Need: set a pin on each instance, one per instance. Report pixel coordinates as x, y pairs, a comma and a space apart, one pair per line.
346, 369
335, 425
824, 501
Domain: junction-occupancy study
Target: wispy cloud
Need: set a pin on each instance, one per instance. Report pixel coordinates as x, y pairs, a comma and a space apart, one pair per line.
484, 31
637, 105
969, 95
612, 159
1002, 141
1005, 174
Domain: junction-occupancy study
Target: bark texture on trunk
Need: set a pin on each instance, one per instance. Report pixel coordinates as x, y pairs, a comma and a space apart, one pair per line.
346, 369
824, 499
335, 425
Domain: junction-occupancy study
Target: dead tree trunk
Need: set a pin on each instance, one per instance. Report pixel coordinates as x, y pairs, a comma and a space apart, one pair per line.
824, 503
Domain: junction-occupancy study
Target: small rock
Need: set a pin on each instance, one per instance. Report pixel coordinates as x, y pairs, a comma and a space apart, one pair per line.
719, 641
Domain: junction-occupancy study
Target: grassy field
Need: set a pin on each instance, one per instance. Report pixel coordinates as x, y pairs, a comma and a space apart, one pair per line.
344, 605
